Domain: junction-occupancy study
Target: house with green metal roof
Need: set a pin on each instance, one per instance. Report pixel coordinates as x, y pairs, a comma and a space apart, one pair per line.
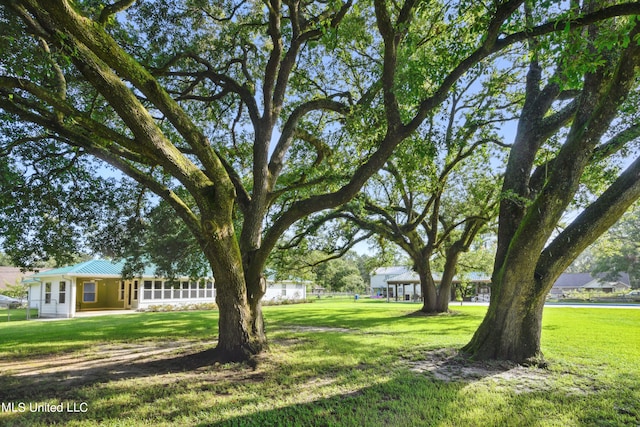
99, 285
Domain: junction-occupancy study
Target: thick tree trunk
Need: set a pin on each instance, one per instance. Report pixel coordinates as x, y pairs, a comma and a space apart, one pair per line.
256, 284
444, 290
444, 297
511, 329
241, 327
428, 286
436, 298
256, 289
236, 340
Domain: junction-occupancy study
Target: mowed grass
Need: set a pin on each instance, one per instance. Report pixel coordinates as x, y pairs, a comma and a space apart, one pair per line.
330, 363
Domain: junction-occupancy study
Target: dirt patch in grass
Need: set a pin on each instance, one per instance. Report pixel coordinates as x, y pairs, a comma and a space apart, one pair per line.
48, 376
449, 366
420, 313
103, 356
316, 329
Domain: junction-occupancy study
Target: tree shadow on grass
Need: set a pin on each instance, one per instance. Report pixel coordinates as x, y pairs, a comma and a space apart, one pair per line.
53, 378
145, 385
418, 399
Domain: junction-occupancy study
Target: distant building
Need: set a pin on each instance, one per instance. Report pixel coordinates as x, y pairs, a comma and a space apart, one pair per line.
572, 282
292, 290
404, 285
318, 290
568, 282
378, 278
597, 285
10, 276
98, 285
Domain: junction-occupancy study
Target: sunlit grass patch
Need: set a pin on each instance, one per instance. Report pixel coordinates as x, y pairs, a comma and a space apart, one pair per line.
15, 314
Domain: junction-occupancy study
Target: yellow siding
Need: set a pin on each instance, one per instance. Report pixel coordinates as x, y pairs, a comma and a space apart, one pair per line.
107, 295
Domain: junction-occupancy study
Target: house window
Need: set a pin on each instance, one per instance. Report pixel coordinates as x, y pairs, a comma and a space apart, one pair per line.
168, 286
209, 290
284, 290
121, 293
185, 289
194, 289
47, 293
89, 292
135, 290
62, 292
157, 289
148, 284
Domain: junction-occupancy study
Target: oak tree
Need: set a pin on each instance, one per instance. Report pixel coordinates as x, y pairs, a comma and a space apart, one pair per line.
579, 108
439, 191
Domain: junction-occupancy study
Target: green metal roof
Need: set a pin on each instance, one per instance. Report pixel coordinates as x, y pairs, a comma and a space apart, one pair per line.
94, 267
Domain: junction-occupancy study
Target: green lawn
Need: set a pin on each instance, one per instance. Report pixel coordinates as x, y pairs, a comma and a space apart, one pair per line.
12, 315
330, 363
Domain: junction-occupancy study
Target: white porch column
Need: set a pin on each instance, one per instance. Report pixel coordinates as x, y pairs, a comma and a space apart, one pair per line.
73, 297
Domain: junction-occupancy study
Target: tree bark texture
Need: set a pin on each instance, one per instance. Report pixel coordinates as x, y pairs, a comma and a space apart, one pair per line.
512, 326
444, 290
428, 286
241, 327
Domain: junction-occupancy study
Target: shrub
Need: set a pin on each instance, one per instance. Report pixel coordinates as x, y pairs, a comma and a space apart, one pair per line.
180, 307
